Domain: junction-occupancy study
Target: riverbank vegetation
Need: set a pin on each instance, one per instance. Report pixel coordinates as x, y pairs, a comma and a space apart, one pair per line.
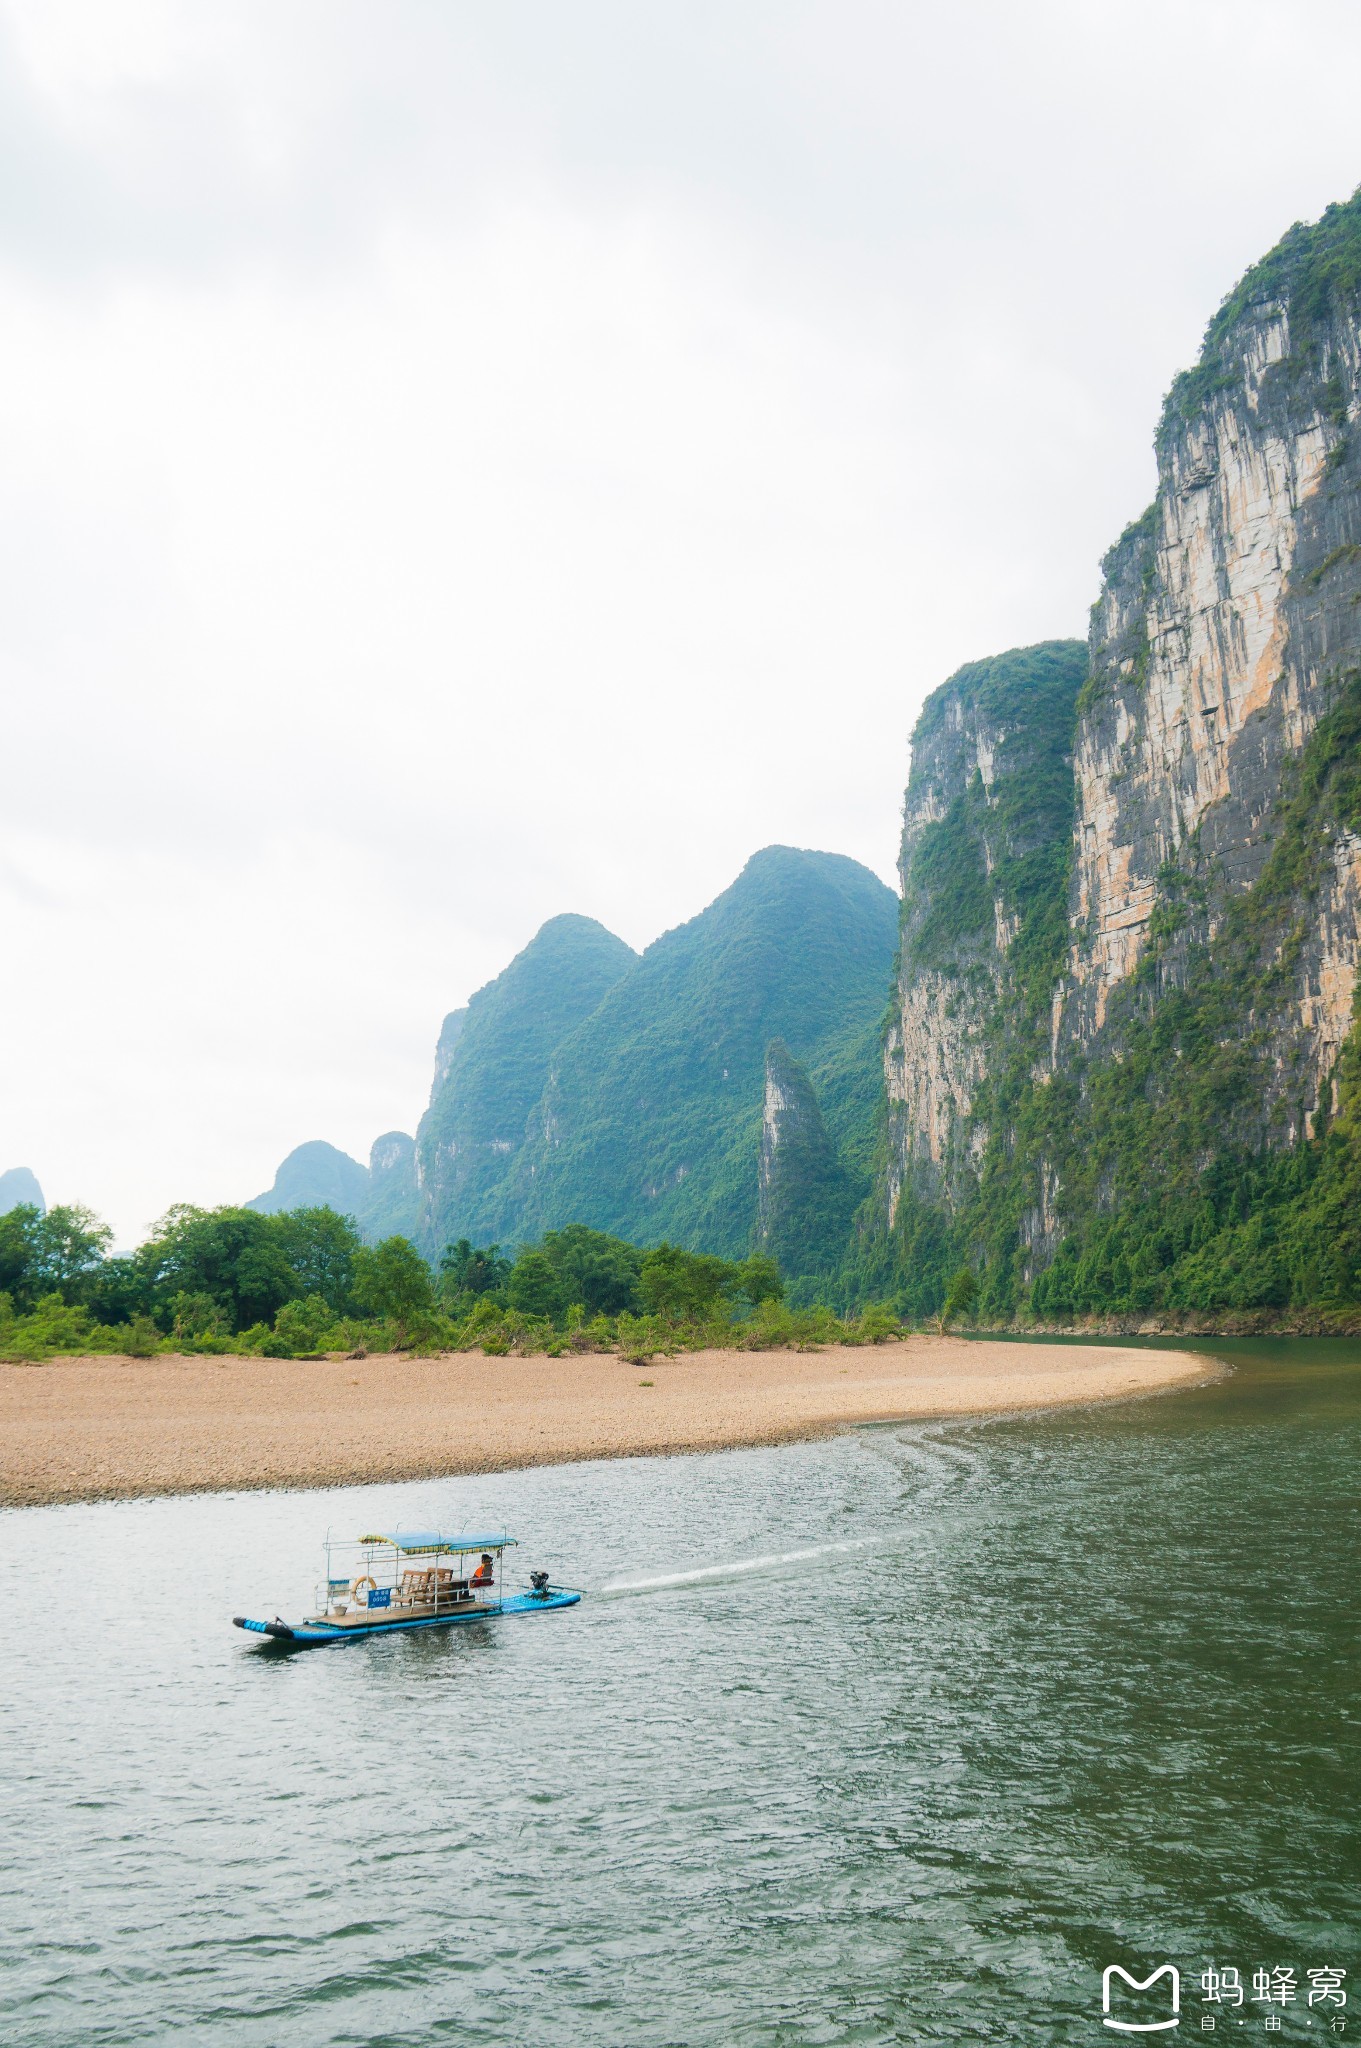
303, 1283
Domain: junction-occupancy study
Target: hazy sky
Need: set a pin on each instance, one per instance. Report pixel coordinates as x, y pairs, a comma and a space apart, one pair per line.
464, 462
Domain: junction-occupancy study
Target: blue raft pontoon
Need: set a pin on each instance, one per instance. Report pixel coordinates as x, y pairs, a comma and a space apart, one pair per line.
411, 1580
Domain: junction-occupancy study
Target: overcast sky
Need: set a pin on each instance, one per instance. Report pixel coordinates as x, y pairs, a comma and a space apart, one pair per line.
465, 462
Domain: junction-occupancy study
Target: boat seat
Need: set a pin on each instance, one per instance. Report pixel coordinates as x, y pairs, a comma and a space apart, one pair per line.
419, 1589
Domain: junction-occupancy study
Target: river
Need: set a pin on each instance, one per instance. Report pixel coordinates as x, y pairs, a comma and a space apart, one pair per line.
903, 1736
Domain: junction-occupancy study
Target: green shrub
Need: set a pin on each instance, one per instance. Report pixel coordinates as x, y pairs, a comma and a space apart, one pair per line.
304, 1329
54, 1329
141, 1338
198, 1323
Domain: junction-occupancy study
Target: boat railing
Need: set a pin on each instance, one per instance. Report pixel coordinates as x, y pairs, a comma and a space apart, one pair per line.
397, 1573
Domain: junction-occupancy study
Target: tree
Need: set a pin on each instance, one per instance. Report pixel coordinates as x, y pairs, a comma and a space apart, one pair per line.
233, 1255
198, 1320
464, 1269
758, 1279
70, 1245
302, 1328
598, 1271
18, 1254
961, 1297
117, 1291
321, 1247
60, 1253
392, 1280
683, 1285
536, 1287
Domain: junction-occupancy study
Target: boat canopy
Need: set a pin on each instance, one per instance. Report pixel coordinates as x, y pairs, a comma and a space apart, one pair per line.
426, 1541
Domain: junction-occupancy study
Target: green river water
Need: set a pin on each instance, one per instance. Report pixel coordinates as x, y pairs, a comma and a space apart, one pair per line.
903, 1736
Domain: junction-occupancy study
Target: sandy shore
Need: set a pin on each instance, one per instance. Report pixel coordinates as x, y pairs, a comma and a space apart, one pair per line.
109, 1428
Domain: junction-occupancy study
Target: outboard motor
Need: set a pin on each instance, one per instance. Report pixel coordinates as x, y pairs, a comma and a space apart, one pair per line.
538, 1583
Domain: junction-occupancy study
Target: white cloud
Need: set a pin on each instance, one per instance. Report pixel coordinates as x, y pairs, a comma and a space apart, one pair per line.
458, 465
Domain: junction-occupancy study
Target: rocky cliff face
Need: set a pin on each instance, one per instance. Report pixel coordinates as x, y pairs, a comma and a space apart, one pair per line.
1229, 619
450, 1033
988, 800
1118, 1060
805, 1196
393, 1204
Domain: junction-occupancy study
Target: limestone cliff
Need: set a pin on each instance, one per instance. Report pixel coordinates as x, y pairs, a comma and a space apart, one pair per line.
1229, 619
450, 1033
989, 800
393, 1204
805, 1196
1132, 1086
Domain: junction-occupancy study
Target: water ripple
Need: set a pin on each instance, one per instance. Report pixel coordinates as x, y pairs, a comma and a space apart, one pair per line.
894, 1738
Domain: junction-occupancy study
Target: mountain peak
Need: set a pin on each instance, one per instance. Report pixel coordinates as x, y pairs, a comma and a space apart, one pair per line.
19, 1189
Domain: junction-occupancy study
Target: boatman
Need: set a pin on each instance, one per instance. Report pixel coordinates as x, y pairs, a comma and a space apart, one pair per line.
483, 1575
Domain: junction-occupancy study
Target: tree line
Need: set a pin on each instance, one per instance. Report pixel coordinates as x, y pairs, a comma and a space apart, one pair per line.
304, 1283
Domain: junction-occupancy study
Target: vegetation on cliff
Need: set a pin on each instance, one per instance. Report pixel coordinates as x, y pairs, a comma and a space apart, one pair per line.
1173, 1200
1314, 272
807, 1197
1000, 852
1163, 1197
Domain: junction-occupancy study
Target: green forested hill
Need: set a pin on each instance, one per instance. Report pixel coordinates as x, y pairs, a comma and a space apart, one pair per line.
650, 1124
589, 1085
382, 1197
496, 1067
315, 1176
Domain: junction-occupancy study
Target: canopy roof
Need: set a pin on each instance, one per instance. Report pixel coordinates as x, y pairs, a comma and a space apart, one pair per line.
426, 1540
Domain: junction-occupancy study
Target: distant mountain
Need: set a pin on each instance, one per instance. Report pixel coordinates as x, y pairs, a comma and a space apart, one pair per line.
493, 1062
382, 1196
19, 1189
650, 1122
589, 1084
315, 1176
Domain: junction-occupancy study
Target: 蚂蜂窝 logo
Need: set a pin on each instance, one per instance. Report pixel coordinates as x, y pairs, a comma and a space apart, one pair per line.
1168, 1970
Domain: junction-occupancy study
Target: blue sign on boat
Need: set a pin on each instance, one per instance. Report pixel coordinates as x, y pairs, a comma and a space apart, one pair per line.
380, 1596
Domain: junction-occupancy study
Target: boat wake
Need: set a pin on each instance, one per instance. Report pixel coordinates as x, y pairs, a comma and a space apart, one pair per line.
738, 1568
